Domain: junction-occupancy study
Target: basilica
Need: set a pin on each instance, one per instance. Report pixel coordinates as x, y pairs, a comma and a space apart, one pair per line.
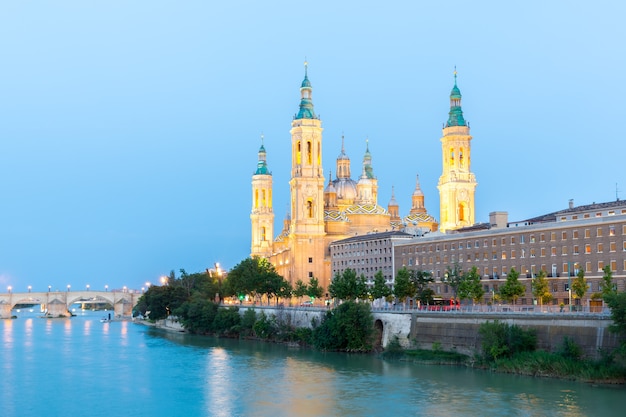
325, 211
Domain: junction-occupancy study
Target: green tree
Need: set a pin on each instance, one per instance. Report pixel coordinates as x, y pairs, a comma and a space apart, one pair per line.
253, 276
421, 290
470, 286
453, 278
579, 285
512, 288
541, 288
347, 286
607, 287
617, 305
349, 327
380, 288
314, 290
160, 301
403, 287
300, 289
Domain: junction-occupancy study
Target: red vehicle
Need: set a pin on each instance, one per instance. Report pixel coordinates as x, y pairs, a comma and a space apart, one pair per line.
443, 304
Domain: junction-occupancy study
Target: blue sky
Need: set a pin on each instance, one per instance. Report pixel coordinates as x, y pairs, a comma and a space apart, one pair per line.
129, 131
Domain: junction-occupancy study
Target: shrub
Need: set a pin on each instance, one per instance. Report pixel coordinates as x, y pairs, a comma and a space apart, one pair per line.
349, 327
569, 349
503, 340
226, 319
264, 327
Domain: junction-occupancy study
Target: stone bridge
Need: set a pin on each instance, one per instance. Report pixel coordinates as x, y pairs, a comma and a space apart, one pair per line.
57, 303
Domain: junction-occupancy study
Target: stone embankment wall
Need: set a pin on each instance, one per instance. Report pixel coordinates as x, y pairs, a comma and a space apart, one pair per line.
455, 331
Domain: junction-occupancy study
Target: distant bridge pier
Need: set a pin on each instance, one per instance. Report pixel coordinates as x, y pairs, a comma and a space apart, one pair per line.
57, 308
5, 310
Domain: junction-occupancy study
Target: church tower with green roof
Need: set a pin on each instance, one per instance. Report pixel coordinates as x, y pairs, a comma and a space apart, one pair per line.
457, 183
262, 215
307, 183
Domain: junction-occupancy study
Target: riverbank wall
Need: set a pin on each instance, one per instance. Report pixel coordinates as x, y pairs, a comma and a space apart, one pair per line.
458, 331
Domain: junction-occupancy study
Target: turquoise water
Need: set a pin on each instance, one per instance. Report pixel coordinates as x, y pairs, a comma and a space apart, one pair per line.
80, 366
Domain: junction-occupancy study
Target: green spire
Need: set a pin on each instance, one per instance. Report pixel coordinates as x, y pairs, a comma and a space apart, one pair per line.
306, 102
261, 166
368, 170
455, 117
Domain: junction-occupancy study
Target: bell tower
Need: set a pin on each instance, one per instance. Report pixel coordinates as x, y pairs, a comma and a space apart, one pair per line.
307, 191
457, 183
262, 215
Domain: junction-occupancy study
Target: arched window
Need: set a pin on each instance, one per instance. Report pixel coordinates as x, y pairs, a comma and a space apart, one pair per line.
298, 153
309, 208
263, 201
256, 198
263, 233
309, 152
461, 212
461, 158
451, 156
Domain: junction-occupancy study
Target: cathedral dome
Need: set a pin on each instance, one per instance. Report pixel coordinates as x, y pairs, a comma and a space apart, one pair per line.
346, 188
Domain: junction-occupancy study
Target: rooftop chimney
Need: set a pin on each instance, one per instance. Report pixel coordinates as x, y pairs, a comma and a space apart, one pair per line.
571, 203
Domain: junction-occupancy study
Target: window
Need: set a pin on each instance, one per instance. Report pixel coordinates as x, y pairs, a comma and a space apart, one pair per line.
532, 238
612, 247
543, 252
600, 248
587, 267
503, 254
552, 236
587, 233
513, 254
611, 230
542, 237
512, 240
599, 232
310, 274
564, 250
575, 250
310, 260
563, 235
575, 234
600, 266
587, 249
553, 251
613, 265
532, 252
521, 239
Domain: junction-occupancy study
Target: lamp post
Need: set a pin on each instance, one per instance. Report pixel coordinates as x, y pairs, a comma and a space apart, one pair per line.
87, 287
68, 287
124, 288
569, 286
106, 288
29, 288
49, 287
9, 288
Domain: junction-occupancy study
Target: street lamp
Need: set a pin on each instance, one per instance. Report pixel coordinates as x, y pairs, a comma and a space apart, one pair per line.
68, 287
163, 280
124, 288
9, 288
106, 288
49, 287
29, 288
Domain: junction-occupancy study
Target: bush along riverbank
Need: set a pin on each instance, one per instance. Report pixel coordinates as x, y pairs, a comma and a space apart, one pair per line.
347, 328
511, 349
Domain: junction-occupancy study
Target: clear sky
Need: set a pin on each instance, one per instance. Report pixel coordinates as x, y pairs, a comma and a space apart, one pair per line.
129, 130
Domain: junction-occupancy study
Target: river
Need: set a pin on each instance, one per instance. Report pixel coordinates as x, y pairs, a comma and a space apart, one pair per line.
80, 366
